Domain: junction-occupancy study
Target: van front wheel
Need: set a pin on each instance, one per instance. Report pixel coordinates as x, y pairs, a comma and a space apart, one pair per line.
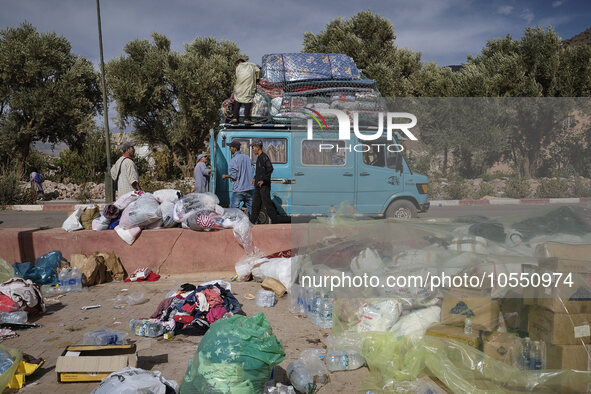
401, 209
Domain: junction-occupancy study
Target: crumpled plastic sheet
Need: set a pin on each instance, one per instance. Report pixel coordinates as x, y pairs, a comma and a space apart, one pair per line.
135, 380
463, 369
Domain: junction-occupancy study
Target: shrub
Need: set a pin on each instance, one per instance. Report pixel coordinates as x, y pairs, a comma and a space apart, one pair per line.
580, 189
552, 188
10, 189
516, 187
84, 195
485, 189
456, 190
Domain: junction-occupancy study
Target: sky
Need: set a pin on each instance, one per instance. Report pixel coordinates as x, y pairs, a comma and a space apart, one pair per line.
444, 31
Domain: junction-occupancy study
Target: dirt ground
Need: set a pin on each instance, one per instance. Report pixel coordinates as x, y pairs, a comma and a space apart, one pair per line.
65, 323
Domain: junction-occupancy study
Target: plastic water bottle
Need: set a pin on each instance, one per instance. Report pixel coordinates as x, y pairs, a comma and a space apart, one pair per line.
300, 377
468, 326
64, 280
105, 337
265, 298
146, 328
344, 360
325, 313
524, 359
535, 357
332, 215
313, 303
75, 280
296, 299
19, 317
6, 361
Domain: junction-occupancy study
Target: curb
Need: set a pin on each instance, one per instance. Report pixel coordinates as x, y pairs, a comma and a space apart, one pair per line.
50, 207
524, 201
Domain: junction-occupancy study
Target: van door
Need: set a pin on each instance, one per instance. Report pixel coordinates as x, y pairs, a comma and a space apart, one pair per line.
276, 147
323, 172
378, 177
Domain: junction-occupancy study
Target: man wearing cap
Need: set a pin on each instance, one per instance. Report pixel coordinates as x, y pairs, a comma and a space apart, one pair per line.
201, 174
262, 190
241, 174
245, 87
124, 172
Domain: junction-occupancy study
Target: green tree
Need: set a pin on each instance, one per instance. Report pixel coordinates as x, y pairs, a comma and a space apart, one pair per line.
368, 39
172, 99
537, 65
46, 92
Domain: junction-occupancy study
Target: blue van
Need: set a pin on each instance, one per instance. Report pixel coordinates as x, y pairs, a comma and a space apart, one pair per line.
310, 175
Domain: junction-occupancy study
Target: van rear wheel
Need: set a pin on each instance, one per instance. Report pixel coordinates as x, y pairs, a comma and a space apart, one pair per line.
263, 217
401, 209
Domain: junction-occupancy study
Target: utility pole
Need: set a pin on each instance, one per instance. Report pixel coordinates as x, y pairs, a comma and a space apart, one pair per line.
108, 180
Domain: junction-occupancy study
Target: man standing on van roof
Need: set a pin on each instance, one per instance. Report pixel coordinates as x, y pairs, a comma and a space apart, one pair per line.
245, 87
201, 174
124, 172
241, 174
262, 190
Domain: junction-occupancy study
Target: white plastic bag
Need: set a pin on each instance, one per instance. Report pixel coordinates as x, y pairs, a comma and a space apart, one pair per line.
368, 261
278, 268
244, 266
128, 235
193, 202
170, 195
237, 220
126, 199
416, 323
167, 214
72, 223
135, 380
101, 223
143, 212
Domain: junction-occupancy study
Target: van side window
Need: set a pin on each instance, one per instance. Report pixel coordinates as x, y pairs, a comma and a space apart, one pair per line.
275, 148
324, 153
375, 156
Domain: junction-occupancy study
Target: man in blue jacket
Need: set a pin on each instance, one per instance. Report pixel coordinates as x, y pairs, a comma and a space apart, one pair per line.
241, 174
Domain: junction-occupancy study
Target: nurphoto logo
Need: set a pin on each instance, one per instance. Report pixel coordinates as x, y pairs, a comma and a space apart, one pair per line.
345, 122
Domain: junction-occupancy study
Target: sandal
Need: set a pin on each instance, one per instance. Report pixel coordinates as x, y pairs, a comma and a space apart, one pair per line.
234, 121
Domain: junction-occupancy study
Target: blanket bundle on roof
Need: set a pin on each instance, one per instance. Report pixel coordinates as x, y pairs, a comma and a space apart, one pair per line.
290, 67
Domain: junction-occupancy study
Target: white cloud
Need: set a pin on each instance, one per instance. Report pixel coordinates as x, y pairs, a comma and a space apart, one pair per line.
505, 9
557, 3
527, 15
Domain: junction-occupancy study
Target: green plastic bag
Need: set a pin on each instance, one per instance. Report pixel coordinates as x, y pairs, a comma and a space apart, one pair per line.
235, 356
6, 271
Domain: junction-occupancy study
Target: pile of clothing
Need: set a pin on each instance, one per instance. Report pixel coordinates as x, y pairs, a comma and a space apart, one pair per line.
192, 309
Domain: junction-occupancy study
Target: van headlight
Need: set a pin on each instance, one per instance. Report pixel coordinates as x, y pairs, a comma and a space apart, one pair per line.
423, 188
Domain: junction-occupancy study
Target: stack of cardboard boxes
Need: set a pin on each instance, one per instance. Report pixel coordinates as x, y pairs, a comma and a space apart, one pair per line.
560, 314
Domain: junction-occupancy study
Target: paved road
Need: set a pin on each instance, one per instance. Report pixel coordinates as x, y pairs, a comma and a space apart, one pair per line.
13, 219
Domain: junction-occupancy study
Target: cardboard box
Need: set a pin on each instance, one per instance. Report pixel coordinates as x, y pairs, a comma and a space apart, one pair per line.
484, 312
565, 251
568, 357
514, 312
93, 363
457, 334
502, 346
559, 328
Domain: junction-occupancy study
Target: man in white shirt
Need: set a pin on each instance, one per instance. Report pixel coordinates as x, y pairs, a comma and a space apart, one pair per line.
124, 172
247, 75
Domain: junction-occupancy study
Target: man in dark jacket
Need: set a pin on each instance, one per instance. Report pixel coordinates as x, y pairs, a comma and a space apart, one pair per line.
262, 190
